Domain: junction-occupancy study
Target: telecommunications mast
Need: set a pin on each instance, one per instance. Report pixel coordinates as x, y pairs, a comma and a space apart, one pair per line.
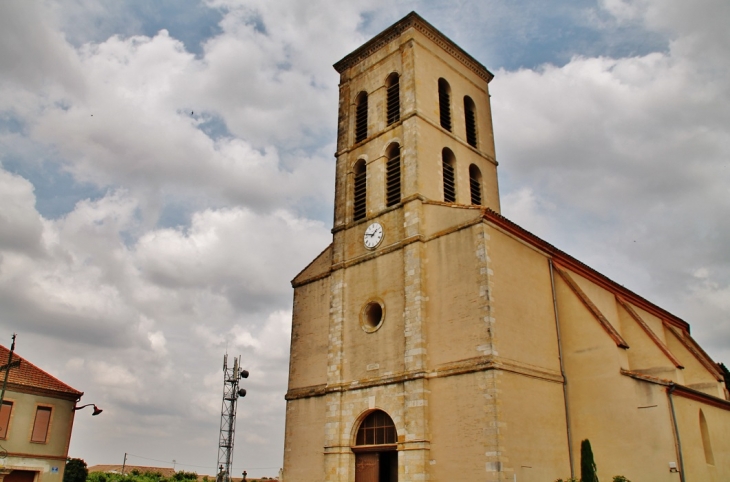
231, 392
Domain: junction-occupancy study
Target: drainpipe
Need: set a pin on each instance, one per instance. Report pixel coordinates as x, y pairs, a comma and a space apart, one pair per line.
562, 370
678, 443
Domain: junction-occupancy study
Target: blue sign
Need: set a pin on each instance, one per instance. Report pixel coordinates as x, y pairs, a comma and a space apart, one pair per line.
54, 470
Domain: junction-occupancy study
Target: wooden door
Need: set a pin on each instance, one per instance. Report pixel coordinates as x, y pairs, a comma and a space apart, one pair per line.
367, 467
20, 476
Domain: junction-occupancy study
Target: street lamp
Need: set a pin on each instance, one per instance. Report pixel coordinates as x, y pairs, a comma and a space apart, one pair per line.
97, 410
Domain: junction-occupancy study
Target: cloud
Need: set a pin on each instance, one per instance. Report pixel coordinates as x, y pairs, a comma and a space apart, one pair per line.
151, 312
21, 227
28, 54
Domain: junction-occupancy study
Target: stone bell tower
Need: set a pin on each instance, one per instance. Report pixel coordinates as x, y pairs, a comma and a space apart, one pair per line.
374, 335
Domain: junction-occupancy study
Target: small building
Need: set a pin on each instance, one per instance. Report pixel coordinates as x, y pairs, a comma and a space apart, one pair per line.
36, 419
436, 340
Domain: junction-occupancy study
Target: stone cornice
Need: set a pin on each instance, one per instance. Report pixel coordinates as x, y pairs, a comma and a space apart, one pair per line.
413, 20
461, 367
680, 390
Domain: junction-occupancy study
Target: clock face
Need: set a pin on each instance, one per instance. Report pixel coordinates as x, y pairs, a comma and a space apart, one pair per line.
373, 235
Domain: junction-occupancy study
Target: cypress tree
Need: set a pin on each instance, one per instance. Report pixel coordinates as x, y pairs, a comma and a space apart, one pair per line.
587, 465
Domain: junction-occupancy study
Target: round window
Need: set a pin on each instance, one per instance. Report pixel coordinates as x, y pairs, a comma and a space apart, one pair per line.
372, 316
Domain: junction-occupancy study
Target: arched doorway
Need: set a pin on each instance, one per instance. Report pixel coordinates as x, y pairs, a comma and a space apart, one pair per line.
376, 456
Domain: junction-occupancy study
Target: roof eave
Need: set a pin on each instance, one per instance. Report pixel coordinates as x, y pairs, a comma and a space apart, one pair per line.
416, 21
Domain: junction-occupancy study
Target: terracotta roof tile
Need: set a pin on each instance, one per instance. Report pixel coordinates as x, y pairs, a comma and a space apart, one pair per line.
30, 376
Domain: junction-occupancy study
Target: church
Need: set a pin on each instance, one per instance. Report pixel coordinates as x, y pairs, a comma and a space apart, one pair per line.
436, 340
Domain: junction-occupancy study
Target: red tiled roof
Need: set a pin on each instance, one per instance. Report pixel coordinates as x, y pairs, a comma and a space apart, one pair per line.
29, 377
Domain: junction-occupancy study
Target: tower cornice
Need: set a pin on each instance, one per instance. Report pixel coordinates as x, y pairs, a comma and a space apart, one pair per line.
413, 20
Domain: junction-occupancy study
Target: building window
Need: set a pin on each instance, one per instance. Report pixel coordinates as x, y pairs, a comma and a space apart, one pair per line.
40, 424
393, 101
449, 163
445, 104
360, 191
475, 185
470, 117
377, 429
706, 444
393, 181
5, 418
361, 117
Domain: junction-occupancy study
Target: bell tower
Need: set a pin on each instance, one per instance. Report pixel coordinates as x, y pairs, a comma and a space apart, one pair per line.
413, 89
375, 314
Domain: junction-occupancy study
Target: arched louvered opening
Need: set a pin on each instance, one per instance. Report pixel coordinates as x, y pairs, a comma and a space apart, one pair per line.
445, 104
470, 118
360, 192
706, 444
377, 429
475, 185
449, 164
393, 176
361, 117
393, 101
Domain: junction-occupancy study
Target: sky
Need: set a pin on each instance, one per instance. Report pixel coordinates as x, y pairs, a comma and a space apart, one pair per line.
166, 168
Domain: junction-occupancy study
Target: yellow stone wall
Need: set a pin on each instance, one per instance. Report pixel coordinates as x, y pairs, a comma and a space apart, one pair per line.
695, 462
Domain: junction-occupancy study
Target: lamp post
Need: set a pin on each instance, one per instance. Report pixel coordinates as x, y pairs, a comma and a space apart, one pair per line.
97, 410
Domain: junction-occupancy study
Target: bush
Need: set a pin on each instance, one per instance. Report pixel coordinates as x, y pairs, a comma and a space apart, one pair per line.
620, 478
148, 476
75, 471
182, 475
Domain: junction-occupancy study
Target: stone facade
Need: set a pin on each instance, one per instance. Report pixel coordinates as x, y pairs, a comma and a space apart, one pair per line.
495, 353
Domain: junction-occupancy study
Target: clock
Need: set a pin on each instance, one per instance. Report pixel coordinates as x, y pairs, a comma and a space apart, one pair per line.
373, 236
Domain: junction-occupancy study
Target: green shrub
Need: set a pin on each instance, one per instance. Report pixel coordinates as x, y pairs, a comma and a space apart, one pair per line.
587, 464
75, 471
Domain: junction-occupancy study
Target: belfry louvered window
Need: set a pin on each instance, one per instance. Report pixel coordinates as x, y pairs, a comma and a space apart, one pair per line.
393, 181
393, 100
470, 118
475, 184
445, 104
361, 117
449, 162
360, 191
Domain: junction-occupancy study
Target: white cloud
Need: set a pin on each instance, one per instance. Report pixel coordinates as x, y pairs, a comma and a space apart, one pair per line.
20, 225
